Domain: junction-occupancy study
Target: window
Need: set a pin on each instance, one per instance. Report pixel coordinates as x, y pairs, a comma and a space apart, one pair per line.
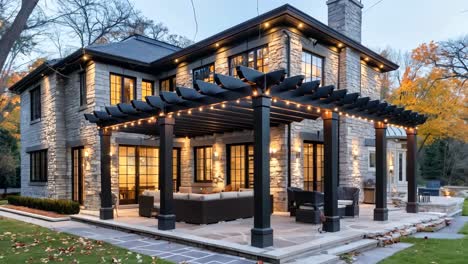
35, 95
38, 166
168, 84
83, 88
122, 89
312, 66
313, 166
372, 160
203, 164
205, 73
146, 89
256, 59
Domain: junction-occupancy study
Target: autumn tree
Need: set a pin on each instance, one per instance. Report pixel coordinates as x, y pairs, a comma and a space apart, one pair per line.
429, 86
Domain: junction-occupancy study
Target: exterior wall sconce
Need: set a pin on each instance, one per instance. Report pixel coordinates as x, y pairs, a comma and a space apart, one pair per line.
273, 152
298, 153
216, 155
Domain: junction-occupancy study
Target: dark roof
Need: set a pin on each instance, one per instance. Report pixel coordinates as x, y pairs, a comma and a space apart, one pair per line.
137, 48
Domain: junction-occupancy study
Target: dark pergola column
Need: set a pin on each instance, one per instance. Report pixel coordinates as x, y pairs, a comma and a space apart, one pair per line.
262, 234
166, 217
380, 211
330, 144
106, 211
411, 165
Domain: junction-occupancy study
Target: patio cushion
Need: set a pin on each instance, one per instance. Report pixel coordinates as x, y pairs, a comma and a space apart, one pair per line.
204, 197
181, 196
245, 193
157, 205
156, 194
345, 202
305, 207
228, 195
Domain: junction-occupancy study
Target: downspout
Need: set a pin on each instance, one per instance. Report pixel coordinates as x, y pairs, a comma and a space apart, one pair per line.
288, 73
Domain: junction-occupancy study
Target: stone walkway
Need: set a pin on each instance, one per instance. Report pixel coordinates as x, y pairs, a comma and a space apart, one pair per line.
175, 252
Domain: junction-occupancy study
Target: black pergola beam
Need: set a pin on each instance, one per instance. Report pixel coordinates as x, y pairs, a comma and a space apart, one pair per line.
411, 167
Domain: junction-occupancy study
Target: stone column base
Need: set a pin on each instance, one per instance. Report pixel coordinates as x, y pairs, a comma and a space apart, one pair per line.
380, 214
261, 237
331, 224
412, 207
166, 222
106, 213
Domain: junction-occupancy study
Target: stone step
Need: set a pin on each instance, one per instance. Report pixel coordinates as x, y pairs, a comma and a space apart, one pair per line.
317, 259
360, 245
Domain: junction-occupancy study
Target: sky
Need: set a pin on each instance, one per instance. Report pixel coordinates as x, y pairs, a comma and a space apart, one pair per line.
401, 24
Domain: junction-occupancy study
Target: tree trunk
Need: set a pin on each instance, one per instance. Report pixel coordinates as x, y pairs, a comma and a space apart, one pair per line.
14, 31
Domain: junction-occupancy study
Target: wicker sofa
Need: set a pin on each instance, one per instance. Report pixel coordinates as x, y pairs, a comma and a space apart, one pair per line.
196, 208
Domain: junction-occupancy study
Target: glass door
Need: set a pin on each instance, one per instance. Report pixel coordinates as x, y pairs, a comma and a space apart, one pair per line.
240, 166
313, 166
127, 175
78, 174
148, 169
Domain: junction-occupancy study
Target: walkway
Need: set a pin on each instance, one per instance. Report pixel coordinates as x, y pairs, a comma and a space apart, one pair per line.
145, 245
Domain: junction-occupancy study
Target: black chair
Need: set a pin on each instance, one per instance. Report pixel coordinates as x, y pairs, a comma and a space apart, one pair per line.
352, 194
291, 200
308, 206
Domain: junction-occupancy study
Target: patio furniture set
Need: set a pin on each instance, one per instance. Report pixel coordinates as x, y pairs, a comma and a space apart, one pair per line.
307, 206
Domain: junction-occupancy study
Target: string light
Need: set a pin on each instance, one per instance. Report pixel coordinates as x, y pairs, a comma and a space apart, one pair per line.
211, 107
287, 102
275, 100
200, 109
255, 93
309, 107
318, 110
298, 105
238, 101
223, 105
190, 112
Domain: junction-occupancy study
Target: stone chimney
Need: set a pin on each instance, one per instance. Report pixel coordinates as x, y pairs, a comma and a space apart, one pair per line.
345, 16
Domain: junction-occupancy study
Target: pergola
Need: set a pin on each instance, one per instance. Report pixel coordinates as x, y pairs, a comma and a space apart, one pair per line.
255, 101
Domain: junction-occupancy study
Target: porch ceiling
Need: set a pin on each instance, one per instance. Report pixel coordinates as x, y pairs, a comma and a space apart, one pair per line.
226, 106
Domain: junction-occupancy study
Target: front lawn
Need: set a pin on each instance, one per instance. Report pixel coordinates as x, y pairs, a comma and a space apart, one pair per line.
465, 208
26, 243
2, 202
433, 250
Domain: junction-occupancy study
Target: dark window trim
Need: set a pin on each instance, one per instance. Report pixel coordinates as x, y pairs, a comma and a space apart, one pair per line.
322, 79
152, 87
83, 88
246, 162
171, 83
246, 56
178, 180
43, 167
204, 164
38, 106
204, 66
122, 82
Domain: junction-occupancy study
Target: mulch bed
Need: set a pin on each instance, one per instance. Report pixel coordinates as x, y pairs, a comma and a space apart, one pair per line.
34, 211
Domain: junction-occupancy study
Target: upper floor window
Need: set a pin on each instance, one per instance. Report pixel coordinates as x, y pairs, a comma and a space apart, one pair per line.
38, 166
312, 67
167, 84
35, 95
203, 164
204, 73
256, 59
122, 88
147, 88
83, 88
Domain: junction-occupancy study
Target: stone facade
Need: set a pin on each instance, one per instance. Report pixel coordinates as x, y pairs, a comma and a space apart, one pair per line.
63, 125
346, 17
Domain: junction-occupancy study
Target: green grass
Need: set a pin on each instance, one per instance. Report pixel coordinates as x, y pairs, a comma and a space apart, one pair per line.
435, 251
465, 208
2, 202
26, 243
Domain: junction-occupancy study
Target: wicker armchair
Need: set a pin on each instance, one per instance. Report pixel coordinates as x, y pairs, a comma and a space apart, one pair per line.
309, 206
291, 200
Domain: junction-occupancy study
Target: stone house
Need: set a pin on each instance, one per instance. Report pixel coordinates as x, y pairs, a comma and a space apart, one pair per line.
60, 151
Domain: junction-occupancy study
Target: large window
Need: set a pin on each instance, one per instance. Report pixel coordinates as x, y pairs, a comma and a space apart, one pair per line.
35, 95
203, 164
147, 88
38, 163
168, 84
240, 167
205, 73
313, 166
122, 89
83, 88
256, 59
312, 67
371, 160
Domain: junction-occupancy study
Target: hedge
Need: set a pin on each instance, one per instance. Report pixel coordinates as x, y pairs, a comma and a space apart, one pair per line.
52, 205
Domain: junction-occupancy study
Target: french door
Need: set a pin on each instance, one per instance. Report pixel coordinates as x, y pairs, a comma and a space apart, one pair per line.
313, 166
77, 174
139, 171
240, 166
